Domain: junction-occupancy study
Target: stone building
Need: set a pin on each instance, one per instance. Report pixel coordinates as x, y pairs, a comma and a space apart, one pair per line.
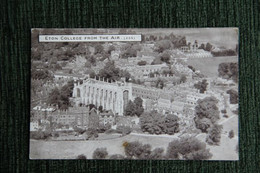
73, 116
142, 72
115, 96
111, 96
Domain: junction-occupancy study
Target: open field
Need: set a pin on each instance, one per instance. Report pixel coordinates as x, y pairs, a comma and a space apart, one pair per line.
209, 66
225, 151
71, 149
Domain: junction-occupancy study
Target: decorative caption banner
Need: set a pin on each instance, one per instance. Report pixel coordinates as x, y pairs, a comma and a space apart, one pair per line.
88, 38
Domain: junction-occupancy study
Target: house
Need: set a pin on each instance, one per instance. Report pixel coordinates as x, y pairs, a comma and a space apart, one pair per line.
106, 118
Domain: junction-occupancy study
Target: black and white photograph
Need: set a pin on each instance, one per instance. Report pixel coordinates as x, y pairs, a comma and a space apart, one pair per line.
130, 93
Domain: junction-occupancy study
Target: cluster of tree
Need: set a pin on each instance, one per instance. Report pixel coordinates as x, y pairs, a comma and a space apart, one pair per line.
130, 50
154, 123
99, 54
169, 41
38, 135
226, 52
46, 133
103, 127
160, 83
60, 97
36, 86
91, 60
112, 73
163, 45
214, 134
41, 75
165, 57
124, 130
46, 51
233, 96
185, 148
188, 148
100, 153
208, 47
206, 113
136, 81
134, 108
201, 85
136, 150
228, 71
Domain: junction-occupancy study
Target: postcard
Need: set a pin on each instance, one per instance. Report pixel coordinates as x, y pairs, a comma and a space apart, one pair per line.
130, 93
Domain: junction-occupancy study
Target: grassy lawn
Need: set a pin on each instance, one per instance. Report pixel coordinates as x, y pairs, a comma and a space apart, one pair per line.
71, 149
209, 66
225, 151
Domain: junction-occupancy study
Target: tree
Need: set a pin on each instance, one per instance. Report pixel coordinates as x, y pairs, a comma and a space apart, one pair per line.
41, 74
165, 57
110, 49
214, 135
142, 63
138, 106
188, 148
159, 83
202, 86
162, 45
88, 64
135, 150
103, 127
206, 109
179, 41
157, 153
81, 157
130, 109
92, 132
203, 124
228, 71
111, 73
92, 60
99, 49
153, 123
100, 108
100, 153
66, 92
130, 52
124, 130
151, 74
54, 97
171, 123
192, 68
183, 78
233, 96
208, 47
226, 52
231, 134
202, 46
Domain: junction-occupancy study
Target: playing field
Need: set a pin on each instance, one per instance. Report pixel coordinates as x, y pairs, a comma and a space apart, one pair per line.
40, 149
209, 66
